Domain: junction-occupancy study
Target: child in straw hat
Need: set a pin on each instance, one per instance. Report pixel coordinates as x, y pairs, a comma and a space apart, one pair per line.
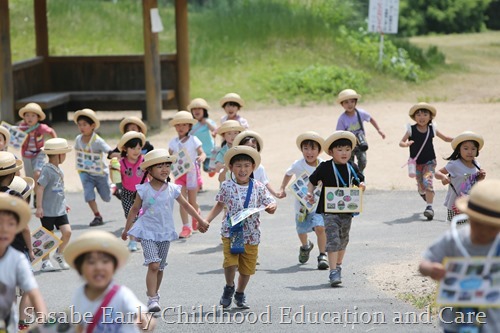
51, 206
96, 255
339, 146
241, 241
183, 122
310, 144
31, 150
479, 239
4, 138
228, 131
418, 138
132, 124
463, 170
154, 227
88, 141
232, 103
15, 270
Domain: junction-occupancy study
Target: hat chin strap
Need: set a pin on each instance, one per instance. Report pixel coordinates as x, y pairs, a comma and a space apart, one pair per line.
482, 210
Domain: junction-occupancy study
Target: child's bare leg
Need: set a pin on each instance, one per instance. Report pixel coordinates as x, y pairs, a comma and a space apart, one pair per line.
229, 274
303, 239
93, 206
429, 197
192, 194
159, 277
184, 214
321, 235
65, 236
333, 259
340, 258
242, 283
152, 283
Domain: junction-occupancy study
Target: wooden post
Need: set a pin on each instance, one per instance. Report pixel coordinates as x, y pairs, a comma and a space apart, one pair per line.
6, 80
182, 41
42, 41
152, 71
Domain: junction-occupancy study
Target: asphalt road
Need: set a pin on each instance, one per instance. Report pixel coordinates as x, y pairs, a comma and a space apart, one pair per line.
284, 295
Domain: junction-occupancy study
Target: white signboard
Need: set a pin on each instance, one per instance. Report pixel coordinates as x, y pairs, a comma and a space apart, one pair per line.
383, 16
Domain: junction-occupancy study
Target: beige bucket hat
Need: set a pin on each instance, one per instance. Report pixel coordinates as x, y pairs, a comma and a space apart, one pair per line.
253, 134
32, 107
133, 120
5, 133
89, 113
310, 135
420, 106
157, 156
56, 146
198, 103
182, 117
467, 136
96, 240
246, 150
229, 126
483, 202
9, 164
23, 185
129, 136
346, 94
337, 135
18, 206
232, 97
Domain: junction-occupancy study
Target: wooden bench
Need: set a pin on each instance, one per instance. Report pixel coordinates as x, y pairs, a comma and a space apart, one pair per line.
59, 103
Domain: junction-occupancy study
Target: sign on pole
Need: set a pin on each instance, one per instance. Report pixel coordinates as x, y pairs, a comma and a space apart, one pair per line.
383, 16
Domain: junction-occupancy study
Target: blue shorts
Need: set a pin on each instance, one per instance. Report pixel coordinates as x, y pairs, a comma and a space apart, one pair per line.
99, 182
311, 221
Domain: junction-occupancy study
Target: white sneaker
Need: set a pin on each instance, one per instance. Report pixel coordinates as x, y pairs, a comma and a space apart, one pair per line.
60, 260
153, 305
47, 266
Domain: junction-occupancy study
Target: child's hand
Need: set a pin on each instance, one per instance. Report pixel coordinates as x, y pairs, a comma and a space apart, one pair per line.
310, 198
68, 208
362, 186
481, 174
445, 181
409, 143
203, 226
39, 212
434, 270
124, 235
281, 194
271, 208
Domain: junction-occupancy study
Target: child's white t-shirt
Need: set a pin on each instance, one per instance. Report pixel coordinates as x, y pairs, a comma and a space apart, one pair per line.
124, 303
191, 145
297, 168
260, 175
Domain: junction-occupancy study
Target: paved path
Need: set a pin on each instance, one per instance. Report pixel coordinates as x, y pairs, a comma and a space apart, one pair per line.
281, 290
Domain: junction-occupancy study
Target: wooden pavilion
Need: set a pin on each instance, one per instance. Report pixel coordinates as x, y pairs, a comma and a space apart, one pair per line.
149, 82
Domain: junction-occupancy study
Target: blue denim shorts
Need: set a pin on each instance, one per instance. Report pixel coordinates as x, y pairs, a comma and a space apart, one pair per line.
99, 182
312, 220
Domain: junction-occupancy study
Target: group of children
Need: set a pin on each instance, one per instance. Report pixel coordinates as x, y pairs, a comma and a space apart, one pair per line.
148, 194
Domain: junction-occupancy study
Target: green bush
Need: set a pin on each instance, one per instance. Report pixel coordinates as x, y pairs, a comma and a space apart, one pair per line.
424, 58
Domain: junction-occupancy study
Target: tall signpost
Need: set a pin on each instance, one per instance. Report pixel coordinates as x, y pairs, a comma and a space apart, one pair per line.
383, 19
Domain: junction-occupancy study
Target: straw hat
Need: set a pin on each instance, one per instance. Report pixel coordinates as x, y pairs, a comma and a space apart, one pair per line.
310, 135
198, 103
96, 240
23, 185
467, 136
424, 106
88, 113
337, 135
133, 120
32, 107
56, 146
157, 156
18, 206
232, 97
5, 133
9, 164
483, 202
244, 134
182, 117
246, 150
230, 125
347, 94
129, 136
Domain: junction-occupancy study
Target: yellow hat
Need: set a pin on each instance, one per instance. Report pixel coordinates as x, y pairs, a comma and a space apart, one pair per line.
232, 97
246, 133
182, 117
245, 150
157, 156
9, 164
420, 106
346, 94
88, 113
230, 125
6, 134
56, 146
18, 206
337, 135
96, 240
483, 202
310, 135
133, 120
32, 107
198, 103
467, 136
23, 185
129, 136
